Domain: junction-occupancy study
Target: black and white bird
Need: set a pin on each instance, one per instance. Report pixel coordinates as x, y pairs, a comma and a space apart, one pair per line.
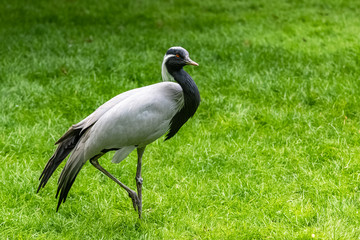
130, 120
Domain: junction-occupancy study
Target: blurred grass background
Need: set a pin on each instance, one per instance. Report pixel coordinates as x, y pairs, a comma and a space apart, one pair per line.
272, 153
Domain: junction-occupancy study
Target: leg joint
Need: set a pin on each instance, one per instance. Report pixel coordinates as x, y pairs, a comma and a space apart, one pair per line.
94, 160
139, 180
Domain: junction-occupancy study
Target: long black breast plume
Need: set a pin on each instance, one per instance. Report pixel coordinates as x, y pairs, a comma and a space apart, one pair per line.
191, 102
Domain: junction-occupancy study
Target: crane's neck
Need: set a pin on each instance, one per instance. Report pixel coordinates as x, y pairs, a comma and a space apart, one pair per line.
187, 84
191, 100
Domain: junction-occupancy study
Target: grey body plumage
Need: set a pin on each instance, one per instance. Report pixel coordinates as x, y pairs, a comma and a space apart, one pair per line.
130, 120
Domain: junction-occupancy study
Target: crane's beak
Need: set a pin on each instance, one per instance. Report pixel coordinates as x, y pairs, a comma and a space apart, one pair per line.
191, 62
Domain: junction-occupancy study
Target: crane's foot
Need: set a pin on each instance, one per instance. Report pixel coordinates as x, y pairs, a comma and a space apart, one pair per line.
137, 204
139, 209
134, 199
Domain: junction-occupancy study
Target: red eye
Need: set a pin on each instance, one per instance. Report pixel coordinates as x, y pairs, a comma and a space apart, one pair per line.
177, 55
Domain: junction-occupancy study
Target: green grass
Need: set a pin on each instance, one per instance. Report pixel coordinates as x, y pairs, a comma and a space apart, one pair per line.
272, 153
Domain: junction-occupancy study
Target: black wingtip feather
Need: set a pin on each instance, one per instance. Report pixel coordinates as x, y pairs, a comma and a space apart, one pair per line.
66, 184
62, 151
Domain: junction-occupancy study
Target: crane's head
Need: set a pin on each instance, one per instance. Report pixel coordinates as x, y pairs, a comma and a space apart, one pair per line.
175, 59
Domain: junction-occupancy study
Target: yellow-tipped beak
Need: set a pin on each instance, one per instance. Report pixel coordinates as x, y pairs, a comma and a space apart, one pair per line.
191, 62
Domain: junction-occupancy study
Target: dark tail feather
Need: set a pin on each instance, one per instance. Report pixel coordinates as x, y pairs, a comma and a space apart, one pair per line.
66, 145
68, 175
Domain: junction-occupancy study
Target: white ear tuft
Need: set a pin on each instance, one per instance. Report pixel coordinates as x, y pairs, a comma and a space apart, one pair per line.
166, 76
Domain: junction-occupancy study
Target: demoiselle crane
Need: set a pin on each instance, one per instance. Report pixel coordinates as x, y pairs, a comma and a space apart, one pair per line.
130, 120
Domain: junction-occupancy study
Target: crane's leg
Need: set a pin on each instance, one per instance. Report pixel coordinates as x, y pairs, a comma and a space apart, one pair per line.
138, 178
132, 194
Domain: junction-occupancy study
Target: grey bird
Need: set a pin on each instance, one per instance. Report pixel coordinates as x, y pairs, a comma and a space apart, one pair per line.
130, 120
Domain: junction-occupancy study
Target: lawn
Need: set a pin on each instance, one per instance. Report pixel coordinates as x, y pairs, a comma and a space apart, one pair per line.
273, 151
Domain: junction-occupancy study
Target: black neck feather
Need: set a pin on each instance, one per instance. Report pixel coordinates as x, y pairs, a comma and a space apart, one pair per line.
191, 101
